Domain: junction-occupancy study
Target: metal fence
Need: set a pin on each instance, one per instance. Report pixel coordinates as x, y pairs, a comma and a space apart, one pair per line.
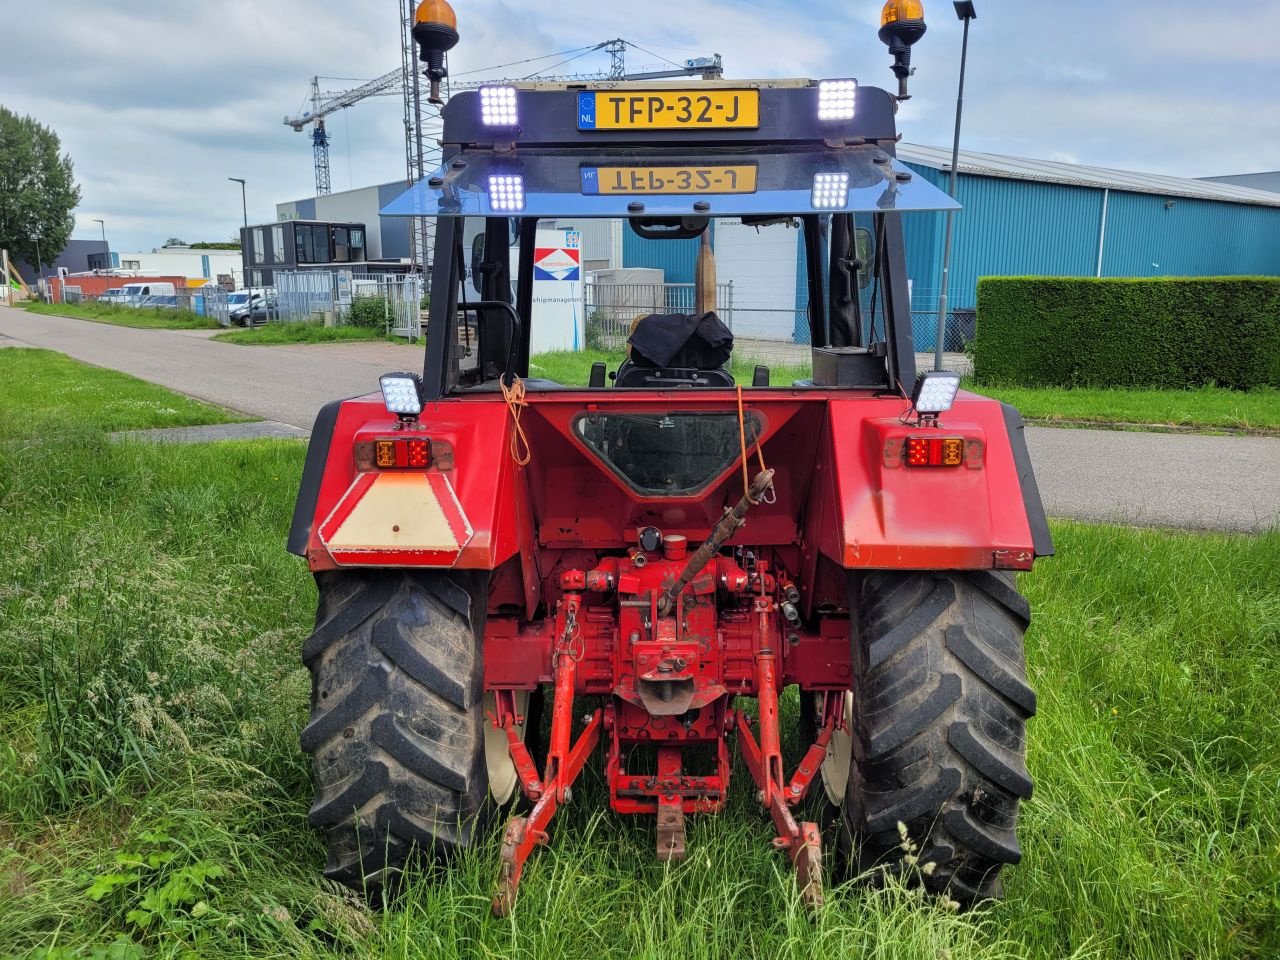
206, 301
399, 296
308, 296
392, 301
211, 301
612, 308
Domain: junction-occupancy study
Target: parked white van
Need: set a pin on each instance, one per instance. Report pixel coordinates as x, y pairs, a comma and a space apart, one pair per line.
148, 295
131, 292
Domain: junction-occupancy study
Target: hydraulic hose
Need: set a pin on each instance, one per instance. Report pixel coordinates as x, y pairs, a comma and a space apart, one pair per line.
729, 524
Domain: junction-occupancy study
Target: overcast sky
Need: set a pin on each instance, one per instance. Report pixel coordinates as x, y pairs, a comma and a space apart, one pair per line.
159, 101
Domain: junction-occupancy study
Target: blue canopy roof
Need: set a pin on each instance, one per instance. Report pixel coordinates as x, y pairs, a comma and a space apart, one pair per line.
658, 183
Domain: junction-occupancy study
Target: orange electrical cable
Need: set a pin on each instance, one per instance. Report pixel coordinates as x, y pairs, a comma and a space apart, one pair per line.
521, 452
742, 440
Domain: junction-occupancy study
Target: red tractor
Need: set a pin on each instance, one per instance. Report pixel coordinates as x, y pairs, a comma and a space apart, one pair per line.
652, 552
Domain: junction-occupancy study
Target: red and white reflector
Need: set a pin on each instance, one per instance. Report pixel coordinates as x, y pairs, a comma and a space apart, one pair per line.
397, 519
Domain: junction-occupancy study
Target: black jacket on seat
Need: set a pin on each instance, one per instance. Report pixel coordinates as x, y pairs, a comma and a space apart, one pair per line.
678, 350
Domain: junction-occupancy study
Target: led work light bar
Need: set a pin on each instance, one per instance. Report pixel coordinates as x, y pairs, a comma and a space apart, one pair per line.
506, 193
935, 391
401, 392
830, 191
837, 99
498, 107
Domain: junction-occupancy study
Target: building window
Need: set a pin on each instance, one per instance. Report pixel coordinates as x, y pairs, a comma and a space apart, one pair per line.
341, 253
277, 243
257, 278
130, 264
312, 243
357, 245
259, 245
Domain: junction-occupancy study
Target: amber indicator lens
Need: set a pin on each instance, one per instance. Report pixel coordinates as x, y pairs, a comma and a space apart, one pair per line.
384, 452
935, 451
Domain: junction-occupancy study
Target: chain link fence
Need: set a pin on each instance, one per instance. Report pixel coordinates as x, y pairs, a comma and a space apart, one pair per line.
611, 309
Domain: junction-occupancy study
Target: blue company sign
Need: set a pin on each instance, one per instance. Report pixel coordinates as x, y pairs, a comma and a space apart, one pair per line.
586, 111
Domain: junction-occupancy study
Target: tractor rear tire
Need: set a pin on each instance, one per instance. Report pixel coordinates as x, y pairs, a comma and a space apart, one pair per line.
941, 704
396, 732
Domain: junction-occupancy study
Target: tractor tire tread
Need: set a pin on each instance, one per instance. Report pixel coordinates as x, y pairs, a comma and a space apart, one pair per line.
941, 705
396, 732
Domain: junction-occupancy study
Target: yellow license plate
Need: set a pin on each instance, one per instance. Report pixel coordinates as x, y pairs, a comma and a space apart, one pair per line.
713, 178
668, 109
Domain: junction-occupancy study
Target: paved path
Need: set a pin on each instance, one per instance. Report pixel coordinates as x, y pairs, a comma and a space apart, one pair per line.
1199, 482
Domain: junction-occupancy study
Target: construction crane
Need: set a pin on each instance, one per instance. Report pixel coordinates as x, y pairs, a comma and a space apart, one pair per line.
325, 102
421, 147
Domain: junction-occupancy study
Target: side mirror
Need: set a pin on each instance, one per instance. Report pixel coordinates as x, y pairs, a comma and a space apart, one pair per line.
477, 258
864, 246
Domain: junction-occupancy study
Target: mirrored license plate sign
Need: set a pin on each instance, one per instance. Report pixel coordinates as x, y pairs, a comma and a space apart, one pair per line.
674, 179
668, 109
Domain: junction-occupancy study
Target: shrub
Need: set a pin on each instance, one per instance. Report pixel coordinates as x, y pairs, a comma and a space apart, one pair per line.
597, 328
1172, 333
371, 312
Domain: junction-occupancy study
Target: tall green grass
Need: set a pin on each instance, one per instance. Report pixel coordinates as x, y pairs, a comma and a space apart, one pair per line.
277, 333
153, 797
146, 318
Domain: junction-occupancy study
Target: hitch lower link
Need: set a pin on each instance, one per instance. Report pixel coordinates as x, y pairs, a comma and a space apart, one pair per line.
566, 757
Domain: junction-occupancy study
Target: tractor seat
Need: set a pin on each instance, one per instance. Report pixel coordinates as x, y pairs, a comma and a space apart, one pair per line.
677, 350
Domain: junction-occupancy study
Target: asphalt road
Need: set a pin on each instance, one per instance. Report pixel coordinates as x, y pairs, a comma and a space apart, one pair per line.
1151, 479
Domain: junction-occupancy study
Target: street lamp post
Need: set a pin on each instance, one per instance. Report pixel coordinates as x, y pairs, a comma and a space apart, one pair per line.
965, 11
244, 206
104, 242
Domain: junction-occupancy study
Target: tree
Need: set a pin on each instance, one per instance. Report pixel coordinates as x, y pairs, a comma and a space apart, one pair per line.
38, 191
175, 242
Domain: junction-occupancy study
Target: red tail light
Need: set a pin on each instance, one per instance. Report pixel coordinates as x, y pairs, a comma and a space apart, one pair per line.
935, 451
394, 453
418, 453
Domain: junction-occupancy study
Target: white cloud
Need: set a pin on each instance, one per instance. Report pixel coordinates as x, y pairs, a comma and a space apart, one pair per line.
159, 101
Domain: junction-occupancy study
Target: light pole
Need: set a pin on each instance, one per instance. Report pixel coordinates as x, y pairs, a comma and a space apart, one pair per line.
244, 259
104, 242
965, 11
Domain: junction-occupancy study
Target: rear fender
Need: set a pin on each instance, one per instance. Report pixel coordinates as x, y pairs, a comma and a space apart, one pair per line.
475, 492
875, 511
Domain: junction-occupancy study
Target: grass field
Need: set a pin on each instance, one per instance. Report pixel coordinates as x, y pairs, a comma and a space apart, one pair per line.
153, 798
275, 334
1208, 407
39, 388
126, 316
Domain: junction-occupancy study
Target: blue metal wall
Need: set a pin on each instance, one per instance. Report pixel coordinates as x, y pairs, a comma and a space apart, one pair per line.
677, 259
1023, 228
1031, 228
1191, 238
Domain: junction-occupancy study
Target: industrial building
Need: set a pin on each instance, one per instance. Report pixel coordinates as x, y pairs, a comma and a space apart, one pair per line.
1020, 217
1269, 180
74, 258
388, 238
1039, 217
214, 266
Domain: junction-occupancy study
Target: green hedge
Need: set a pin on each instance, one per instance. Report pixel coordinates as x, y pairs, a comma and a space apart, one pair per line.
1172, 333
